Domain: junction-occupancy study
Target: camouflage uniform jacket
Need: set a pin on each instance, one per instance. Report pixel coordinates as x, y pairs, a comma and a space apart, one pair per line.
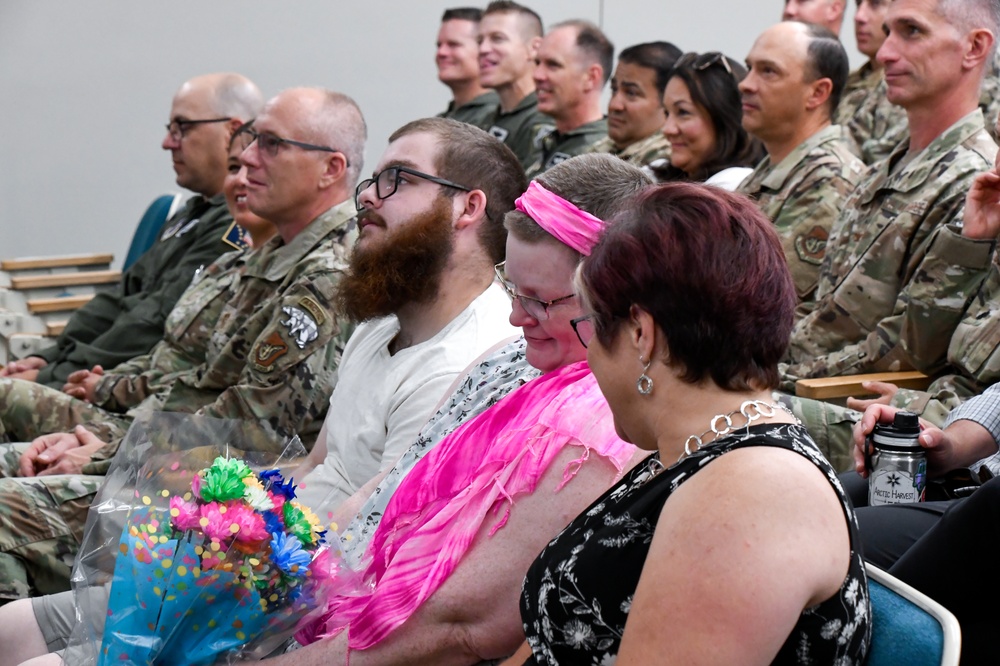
185, 338
874, 125
478, 112
521, 129
273, 355
973, 353
879, 252
989, 96
859, 84
558, 146
119, 325
641, 153
803, 195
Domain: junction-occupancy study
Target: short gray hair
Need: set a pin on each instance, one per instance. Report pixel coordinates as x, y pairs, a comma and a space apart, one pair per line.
969, 15
339, 124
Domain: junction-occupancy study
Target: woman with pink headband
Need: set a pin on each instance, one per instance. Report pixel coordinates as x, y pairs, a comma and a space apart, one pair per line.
433, 562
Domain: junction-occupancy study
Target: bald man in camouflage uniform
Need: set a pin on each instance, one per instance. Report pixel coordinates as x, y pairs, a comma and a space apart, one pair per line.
809, 171
891, 228
270, 357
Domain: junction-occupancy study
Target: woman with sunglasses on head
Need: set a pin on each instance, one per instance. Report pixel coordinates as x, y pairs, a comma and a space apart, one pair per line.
734, 543
704, 123
525, 442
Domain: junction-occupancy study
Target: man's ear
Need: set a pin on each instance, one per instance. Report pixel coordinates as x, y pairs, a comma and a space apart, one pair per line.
980, 42
533, 44
472, 209
334, 169
595, 77
819, 93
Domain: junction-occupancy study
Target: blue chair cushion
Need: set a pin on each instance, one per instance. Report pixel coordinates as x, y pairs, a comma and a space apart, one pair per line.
902, 632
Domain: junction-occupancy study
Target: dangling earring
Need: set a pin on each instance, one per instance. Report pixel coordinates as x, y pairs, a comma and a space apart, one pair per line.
645, 383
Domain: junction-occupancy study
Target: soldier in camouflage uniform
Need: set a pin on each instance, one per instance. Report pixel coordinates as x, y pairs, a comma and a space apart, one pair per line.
271, 356
809, 170
891, 228
574, 63
635, 111
973, 352
874, 124
509, 35
457, 62
115, 326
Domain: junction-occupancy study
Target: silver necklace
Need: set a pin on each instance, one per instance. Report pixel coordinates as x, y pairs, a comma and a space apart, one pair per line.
721, 425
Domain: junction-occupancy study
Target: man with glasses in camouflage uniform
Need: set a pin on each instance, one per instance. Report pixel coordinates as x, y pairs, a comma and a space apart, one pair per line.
118, 325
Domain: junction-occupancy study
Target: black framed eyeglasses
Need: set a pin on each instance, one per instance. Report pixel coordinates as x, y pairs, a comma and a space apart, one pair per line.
535, 307
387, 182
178, 128
702, 61
584, 328
270, 143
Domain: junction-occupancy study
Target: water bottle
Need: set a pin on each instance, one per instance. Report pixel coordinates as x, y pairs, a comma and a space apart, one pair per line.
896, 463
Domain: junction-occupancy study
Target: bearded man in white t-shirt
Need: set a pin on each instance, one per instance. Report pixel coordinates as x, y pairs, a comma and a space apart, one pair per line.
421, 281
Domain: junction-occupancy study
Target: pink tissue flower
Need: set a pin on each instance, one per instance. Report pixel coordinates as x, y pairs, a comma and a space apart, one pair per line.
219, 524
187, 516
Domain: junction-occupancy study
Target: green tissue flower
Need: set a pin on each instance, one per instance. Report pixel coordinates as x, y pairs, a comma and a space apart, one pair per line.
223, 481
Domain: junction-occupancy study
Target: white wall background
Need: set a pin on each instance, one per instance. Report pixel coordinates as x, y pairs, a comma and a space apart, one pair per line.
85, 87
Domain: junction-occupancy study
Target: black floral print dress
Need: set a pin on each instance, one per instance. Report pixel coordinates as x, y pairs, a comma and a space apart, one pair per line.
575, 613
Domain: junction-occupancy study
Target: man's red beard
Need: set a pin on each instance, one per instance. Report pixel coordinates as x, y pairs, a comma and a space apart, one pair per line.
402, 268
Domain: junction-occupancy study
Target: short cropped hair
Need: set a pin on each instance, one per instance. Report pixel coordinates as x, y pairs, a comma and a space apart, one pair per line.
593, 43
657, 56
237, 97
714, 87
599, 183
473, 14
826, 59
709, 268
340, 124
531, 22
469, 156
968, 15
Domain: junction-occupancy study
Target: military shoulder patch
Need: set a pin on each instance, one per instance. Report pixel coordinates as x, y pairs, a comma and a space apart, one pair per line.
811, 246
310, 305
236, 236
301, 325
266, 352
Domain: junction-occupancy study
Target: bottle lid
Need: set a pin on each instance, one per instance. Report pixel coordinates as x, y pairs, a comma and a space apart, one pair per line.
904, 431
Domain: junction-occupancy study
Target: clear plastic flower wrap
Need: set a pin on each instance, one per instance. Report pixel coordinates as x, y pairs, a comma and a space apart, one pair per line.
195, 550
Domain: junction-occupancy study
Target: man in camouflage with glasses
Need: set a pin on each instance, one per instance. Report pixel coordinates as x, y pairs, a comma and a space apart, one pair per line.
271, 356
115, 326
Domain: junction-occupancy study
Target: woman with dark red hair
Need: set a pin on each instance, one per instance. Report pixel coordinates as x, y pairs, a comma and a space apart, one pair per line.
734, 543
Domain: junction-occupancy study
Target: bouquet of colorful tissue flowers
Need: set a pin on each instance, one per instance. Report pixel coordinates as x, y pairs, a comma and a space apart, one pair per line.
234, 558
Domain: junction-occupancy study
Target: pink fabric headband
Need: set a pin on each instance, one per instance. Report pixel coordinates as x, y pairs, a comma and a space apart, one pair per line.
571, 226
